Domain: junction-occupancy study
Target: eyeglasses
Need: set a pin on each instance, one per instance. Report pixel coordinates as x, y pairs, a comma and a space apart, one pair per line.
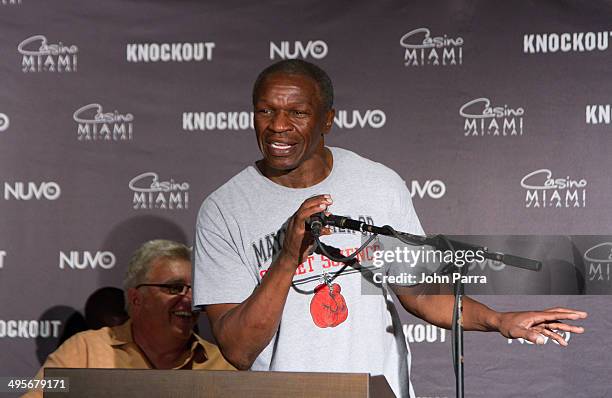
170, 288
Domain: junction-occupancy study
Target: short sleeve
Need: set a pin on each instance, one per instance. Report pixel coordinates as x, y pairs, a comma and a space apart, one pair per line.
71, 354
408, 219
409, 262
220, 275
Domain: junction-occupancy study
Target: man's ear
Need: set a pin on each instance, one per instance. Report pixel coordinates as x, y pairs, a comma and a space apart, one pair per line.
329, 120
134, 298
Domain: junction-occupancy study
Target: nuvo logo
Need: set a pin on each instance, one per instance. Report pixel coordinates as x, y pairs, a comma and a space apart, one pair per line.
95, 125
483, 119
542, 190
565, 42
599, 259
4, 122
31, 190
316, 49
434, 189
40, 56
372, 118
86, 260
421, 49
152, 193
169, 52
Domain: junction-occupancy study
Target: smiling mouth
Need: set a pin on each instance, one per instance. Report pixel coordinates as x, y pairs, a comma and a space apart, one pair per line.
183, 314
280, 148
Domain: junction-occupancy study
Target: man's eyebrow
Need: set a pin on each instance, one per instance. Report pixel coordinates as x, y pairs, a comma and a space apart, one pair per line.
176, 281
295, 101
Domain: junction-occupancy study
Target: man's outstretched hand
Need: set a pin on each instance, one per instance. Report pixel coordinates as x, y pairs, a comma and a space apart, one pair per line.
534, 325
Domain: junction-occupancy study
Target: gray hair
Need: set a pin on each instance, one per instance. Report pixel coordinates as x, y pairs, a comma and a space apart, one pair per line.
140, 263
304, 68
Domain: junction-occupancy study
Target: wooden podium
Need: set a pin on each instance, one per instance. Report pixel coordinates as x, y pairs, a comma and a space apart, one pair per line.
137, 383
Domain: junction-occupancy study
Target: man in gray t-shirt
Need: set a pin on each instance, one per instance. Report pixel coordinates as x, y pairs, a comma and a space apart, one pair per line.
239, 234
264, 290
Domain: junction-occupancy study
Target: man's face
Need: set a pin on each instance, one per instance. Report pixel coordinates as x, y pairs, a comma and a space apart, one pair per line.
158, 311
290, 120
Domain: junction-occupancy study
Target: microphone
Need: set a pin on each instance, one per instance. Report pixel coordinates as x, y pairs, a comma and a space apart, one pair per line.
519, 262
319, 220
315, 223
345, 223
349, 223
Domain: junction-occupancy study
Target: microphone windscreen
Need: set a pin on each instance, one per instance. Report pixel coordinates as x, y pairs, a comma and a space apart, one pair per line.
521, 262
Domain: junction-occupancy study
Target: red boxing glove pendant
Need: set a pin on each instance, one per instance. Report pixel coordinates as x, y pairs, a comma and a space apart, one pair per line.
328, 308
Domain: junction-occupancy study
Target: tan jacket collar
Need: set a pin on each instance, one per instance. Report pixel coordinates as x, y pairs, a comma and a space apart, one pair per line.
122, 334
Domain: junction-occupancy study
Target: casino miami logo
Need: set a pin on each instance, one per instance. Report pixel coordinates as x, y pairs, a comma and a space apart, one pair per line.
150, 192
481, 118
599, 262
423, 49
544, 191
93, 124
4, 122
38, 55
316, 49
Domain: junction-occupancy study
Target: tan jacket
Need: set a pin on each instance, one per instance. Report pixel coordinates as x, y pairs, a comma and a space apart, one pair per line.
115, 348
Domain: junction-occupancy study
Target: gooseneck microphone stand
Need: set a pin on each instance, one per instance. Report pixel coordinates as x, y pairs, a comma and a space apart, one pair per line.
440, 242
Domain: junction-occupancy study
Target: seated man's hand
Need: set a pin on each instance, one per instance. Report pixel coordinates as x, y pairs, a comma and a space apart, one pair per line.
534, 325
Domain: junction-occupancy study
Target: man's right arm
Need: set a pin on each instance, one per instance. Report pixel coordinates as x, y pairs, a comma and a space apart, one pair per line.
71, 354
244, 330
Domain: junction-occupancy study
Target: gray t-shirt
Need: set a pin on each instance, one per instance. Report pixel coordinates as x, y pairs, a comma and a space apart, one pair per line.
239, 231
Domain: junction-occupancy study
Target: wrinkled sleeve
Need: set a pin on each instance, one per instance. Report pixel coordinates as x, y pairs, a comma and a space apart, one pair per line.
220, 274
411, 262
408, 219
71, 354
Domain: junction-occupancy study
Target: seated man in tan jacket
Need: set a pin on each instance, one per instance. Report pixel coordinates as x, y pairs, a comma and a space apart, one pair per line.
159, 333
